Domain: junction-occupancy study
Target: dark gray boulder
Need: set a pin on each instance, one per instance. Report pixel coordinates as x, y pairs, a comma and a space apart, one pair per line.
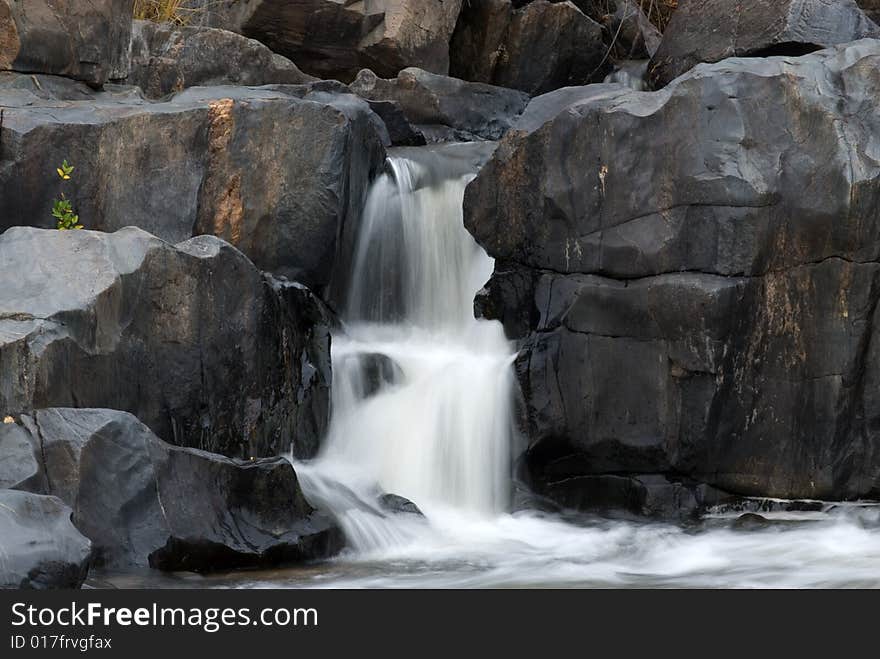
536, 48
712, 30
88, 41
279, 172
166, 58
394, 503
192, 339
694, 276
333, 39
460, 110
631, 33
142, 501
40, 548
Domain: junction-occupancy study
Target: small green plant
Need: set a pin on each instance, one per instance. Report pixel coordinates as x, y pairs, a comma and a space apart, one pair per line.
62, 209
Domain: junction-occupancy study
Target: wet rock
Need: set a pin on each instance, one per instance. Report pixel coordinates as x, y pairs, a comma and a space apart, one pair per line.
469, 110
278, 172
686, 305
167, 58
87, 41
536, 48
377, 372
192, 339
712, 30
750, 522
332, 39
141, 500
39, 547
394, 503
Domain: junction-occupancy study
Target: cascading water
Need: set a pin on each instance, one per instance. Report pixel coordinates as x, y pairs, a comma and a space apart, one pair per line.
421, 393
421, 408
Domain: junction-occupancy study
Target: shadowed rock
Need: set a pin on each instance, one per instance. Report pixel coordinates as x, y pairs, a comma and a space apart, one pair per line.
536, 48
694, 275
193, 339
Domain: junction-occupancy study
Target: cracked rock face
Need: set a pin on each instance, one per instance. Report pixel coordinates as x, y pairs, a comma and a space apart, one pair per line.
192, 339
87, 41
694, 275
712, 30
142, 501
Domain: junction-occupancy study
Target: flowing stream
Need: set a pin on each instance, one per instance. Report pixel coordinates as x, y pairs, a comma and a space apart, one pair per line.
421, 403
422, 408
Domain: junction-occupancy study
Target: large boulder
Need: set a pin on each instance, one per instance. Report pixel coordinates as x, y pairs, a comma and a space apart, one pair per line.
277, 171
447, 108
39, 546
142, 501
712, 30
88, 41
694, 275
192, 339
537, 48
338, 38
166, 58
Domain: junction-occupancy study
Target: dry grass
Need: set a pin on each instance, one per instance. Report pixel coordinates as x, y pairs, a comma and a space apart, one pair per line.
180, 12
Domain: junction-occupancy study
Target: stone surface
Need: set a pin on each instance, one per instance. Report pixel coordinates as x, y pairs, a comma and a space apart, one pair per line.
277, 171
394, 503
461, 110
166, 58
536, 48
88, 41
871, 8
141, 500
694, 276
39, 547
336, 39
192, 339
712, 30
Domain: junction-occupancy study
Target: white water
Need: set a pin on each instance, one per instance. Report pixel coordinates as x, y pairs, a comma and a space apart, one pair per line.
439, 433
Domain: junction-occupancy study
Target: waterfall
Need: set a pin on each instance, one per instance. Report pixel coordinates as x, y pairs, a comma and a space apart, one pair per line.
421, 400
